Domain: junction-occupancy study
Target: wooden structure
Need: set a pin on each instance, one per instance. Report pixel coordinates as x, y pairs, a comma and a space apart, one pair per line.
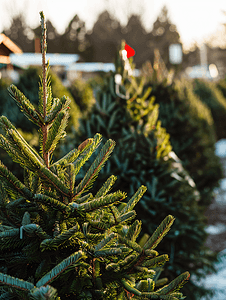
6, 47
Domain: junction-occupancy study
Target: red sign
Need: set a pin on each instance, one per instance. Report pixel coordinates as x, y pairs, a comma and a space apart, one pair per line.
130, 51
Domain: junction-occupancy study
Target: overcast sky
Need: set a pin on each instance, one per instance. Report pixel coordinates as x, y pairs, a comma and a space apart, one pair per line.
195, 19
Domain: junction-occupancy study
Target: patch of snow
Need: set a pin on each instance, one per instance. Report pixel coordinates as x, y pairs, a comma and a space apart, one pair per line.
220, 148
216, 229
220, 193
223, 184
216, 282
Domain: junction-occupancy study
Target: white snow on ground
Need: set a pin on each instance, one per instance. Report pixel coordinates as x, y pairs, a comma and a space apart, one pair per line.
216, 229
217, 281
220, 148
223, 184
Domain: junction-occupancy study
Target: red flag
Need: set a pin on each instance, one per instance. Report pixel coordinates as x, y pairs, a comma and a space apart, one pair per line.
130, 51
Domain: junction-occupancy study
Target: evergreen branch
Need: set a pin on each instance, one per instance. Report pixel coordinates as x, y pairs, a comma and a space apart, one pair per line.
34, 229
49, 176
26, 219
127, 216
42, 266
43, 91
106, 186
95, 167
53, 110
48, 244
154, 295
129, 288
5, 227
102, 201
13, 152
80, 161
40, 135
59, 239
49, 97
25, 105
176, 296
9, 233
6, 296
97, 274
156, 261
70, 172
27, 177
57, 106
26, 150
159, 233
50, 201
84, 198
44, 292
5, 124
73, 154
115, 213
105, 241
145, 270
9, 129
3, 196
131, 244
108, 252
60, 268
57, 131
127, 262
143, 240
134, 231
14, 183
15, 203
147, 285
15, 282
11, 244
101, 225
151, 253
174, 285
133, 201
44, 48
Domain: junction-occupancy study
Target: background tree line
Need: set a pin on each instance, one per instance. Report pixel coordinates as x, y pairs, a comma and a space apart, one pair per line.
101, 43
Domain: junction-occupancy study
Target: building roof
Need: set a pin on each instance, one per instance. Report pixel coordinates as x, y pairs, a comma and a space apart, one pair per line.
6, 47
9, 44
95, 67
27, 59
91, 67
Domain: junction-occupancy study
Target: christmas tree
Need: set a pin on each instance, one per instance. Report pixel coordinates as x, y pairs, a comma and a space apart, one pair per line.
144, 155
191, 127
59, 241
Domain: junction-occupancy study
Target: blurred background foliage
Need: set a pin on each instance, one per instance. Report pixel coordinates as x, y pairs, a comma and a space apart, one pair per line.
101, 43
192, 132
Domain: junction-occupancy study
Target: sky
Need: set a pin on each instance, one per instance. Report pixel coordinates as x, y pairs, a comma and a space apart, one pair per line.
196, 20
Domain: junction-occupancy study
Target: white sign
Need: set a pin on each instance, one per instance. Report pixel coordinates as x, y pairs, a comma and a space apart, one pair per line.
175, 54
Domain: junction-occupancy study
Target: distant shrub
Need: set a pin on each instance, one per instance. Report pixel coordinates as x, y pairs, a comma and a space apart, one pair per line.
190, 125
214, 99
82, 93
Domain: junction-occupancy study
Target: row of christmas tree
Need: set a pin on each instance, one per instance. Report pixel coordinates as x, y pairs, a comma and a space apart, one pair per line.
45, 218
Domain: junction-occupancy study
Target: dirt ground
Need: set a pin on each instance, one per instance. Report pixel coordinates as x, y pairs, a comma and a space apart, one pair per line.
216, 213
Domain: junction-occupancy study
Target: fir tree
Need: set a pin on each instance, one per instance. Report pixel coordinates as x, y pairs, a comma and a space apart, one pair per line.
191, 127
59, 241
144, 155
